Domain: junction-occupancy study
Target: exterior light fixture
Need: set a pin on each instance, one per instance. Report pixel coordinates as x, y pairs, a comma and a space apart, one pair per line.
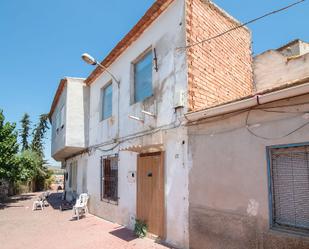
136, 118
92, 61
89, 59
149, 113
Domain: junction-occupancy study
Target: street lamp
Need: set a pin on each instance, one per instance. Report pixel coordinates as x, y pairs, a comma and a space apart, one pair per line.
91, 61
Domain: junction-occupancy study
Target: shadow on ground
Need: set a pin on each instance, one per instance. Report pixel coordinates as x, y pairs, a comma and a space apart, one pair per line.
55, 200
15, 199
124, 234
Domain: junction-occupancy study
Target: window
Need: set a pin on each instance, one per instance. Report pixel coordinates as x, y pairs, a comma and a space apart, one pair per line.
57, 121
289, 171
143, 78
70, 175
73, 176
109, 179
107, 101
60, 119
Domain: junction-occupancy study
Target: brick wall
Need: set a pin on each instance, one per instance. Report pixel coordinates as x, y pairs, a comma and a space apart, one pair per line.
219, 71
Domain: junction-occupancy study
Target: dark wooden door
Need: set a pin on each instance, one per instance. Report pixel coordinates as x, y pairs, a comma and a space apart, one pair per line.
150, 192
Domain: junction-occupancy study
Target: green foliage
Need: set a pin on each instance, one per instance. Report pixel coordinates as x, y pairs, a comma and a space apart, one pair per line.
8, 150
24, 131
140, 228
37, 144
49, 180
30, 165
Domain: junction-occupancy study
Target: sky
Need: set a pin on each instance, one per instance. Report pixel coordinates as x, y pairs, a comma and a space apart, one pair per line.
41, 42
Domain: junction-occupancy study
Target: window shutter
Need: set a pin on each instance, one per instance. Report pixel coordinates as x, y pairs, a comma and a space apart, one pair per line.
290, 186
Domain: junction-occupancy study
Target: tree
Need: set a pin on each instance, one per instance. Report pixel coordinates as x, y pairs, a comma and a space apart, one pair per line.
8, 149
30, 165
39, 135
24, 131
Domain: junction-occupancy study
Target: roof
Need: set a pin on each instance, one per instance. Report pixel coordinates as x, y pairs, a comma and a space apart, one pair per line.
289, 85
288, 44
149, 17
60, 88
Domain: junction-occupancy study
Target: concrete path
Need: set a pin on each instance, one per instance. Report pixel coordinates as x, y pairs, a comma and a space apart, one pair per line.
21, 228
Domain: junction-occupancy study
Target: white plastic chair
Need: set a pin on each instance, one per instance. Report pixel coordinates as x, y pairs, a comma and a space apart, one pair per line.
40, 201
80, 206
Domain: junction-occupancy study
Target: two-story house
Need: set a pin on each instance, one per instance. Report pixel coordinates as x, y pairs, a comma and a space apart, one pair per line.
124, 141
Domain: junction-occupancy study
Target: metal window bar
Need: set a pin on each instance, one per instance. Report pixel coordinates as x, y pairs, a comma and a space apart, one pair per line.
109, 179
290, 187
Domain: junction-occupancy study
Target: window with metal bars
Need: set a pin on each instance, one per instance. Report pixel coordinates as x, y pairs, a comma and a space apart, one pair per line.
109, 179
289, 180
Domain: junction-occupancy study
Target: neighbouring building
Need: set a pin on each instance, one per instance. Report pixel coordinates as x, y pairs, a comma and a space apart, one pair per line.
249, 177
124, 142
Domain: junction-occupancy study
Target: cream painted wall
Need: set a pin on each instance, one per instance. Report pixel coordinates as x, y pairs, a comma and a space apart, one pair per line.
228, 183
273, 69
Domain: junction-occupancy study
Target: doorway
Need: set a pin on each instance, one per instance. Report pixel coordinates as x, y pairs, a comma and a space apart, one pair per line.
150, 192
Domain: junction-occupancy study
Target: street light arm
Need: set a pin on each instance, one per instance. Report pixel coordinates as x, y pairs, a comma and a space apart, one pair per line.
109, 72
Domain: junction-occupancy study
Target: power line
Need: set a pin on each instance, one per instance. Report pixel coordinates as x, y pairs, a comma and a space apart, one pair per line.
272, 138
244, 24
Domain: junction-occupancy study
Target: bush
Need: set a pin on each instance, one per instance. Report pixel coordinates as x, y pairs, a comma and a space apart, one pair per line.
140, 228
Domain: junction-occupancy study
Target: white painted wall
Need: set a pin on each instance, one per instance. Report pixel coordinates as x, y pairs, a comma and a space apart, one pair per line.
58, 140
77, 112
165, 34
73, 137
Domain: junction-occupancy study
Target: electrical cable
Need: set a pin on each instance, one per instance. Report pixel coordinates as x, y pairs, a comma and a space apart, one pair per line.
271, 138
242, 25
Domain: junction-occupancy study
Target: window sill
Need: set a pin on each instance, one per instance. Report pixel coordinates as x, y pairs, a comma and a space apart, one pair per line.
144, 101
115, 203
106, 119
291, 232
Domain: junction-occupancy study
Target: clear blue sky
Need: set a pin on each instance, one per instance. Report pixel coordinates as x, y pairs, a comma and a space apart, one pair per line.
41, 41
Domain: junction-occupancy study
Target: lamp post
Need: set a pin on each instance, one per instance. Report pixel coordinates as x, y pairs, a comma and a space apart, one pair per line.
91, 61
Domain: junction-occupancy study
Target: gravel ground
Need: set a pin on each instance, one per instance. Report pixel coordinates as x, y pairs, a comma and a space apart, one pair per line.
20, 228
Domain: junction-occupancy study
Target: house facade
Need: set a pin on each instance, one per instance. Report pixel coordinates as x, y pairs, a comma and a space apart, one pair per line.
122, 138
249, 177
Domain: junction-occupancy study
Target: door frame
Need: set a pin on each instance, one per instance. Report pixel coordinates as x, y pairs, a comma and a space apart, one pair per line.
163, 204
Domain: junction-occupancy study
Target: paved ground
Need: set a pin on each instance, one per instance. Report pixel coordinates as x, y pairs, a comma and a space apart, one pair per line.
20, 228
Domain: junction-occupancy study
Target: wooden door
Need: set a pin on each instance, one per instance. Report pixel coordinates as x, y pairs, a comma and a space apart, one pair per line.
150, 192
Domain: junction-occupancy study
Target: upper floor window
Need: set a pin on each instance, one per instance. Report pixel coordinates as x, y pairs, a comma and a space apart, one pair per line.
143, 77
289, 178
60, 117
107, 101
